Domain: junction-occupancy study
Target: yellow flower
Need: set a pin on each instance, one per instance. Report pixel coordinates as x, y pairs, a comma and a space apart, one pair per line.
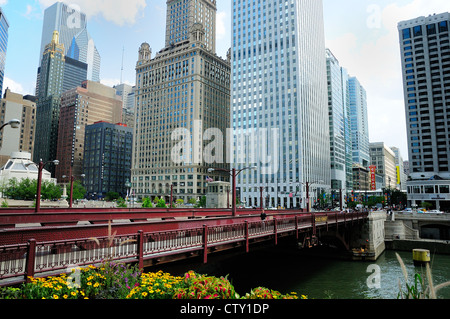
55, 297
144, 294
89, 283
65, 296
73, 293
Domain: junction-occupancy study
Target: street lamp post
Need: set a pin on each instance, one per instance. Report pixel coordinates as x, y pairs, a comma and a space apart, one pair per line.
40, 169
308, 184
234, 173
14, 124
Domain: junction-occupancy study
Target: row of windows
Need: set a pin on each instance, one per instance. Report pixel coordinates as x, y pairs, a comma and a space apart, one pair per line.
431, 29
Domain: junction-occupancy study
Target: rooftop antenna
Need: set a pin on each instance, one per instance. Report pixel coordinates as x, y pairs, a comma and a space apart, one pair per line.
121, 71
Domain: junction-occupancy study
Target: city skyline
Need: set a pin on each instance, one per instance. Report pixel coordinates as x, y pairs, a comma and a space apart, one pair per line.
363, 39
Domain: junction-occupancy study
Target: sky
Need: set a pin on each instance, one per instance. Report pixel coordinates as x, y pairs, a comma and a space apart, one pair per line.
362, 34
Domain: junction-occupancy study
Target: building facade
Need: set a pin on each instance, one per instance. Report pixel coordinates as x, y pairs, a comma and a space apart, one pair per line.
425, 51
107, 159
183, 14
401, 175
279, 101
82, 106
23, 108
4, 27
359, 122
84, 50
180, 94
340, 136
71, 25
49, 100
383, 158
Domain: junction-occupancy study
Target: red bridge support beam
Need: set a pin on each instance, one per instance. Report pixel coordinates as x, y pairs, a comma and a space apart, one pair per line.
247, 244
31, 257
140, 249
205, 244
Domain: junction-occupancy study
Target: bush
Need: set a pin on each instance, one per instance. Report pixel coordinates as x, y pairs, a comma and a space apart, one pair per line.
117, 281
265, 293
205, 287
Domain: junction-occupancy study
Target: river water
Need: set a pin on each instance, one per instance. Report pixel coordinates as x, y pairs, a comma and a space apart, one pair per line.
309, 272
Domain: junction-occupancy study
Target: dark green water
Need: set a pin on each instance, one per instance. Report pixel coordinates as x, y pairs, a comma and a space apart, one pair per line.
288, 269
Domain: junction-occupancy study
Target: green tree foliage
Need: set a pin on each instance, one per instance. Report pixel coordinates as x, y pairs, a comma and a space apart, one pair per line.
79, 192
147, 203
110, 196
161, 203
121, 203
26, 189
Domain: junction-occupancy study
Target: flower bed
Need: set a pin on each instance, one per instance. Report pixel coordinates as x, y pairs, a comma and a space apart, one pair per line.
117, 281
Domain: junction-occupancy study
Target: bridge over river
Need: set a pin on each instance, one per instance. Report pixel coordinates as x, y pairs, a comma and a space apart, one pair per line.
54, 240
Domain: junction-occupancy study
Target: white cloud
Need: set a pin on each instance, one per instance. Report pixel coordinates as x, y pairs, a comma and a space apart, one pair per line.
119, 12
14, 86
221, 30
3, 2
375, 60
113, 82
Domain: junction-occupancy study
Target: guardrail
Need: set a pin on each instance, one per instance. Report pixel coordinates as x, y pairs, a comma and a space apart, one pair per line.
38, 259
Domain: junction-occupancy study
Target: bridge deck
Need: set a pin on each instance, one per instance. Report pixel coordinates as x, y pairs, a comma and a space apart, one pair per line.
40, 251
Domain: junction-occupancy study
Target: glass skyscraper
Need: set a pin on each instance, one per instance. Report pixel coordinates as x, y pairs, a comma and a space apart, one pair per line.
425, 52
340, 136
359, 122
72, 27
279, 91
4, 26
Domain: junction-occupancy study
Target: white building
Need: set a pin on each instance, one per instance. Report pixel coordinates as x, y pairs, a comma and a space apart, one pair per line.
21, 167
279, 101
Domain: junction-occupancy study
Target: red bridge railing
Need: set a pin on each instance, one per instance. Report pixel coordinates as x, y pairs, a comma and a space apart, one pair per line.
36, 259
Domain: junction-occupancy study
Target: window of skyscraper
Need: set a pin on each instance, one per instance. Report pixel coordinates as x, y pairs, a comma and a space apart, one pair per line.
431, 29
418, 31
406, 34
443, 26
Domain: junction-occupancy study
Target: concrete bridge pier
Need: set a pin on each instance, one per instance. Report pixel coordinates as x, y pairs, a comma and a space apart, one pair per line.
370, 243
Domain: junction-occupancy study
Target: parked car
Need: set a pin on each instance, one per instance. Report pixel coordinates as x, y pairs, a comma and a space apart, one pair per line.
434, 211
407, 211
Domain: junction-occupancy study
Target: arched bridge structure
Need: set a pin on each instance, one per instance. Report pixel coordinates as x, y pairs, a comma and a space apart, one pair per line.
53, 241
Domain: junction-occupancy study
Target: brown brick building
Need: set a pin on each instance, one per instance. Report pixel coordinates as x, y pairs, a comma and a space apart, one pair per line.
85, 105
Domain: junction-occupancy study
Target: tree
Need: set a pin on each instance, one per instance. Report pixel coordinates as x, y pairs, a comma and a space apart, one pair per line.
79, 192
147, 203
110, 196
26, 189
121, 203
201, 203
161, 203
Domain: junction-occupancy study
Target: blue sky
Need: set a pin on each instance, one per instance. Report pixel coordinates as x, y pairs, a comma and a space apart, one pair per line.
361, 33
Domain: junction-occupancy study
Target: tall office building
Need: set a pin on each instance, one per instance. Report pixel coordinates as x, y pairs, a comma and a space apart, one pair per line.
340, 136
359, 122
57, 74
4, 26
184, 89
23, 108
107, 158
49, 100
183, 14
401, 176
383, 158
83, 49
425, 51
279, 82
89, 103
71, 25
